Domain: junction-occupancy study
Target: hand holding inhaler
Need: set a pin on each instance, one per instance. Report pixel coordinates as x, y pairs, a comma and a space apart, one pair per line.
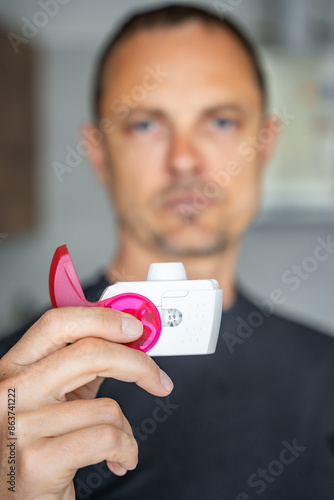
58, 365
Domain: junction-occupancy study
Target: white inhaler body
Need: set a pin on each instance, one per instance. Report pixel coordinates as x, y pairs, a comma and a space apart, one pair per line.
180, 316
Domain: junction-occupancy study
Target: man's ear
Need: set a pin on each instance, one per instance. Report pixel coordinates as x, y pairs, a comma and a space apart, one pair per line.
94, 140
268, 137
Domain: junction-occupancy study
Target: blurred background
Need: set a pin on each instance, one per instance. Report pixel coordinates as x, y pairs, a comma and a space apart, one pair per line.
47, 58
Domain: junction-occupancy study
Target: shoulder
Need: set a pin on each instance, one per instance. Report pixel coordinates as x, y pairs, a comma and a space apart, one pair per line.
285, 337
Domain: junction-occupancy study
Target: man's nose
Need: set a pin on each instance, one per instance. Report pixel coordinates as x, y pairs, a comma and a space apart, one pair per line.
183, 157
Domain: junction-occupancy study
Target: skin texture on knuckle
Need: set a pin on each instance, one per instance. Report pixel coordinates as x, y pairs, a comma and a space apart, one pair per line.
18, 382
88, 347
8, 382
50, 320
60, 322
107, 436
111, 407
119, 446
128, 452
3, 396
4, 366
28, 457
22, 427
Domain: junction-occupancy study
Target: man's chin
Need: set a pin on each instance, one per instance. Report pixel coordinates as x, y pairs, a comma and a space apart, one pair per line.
191, 245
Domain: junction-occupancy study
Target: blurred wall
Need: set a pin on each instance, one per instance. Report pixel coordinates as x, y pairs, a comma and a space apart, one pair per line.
76, 212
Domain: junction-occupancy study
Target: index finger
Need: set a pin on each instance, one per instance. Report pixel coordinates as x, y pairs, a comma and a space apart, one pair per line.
62, 326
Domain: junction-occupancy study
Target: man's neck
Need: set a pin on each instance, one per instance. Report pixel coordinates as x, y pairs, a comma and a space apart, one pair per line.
132, 261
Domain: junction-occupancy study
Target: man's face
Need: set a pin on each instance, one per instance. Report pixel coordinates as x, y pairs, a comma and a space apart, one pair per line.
178, 105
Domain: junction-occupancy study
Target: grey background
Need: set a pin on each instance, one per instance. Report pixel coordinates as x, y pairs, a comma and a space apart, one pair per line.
76, 211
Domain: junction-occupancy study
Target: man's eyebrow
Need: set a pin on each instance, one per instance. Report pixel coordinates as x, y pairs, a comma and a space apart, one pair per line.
223, 107
147, 111
236, 108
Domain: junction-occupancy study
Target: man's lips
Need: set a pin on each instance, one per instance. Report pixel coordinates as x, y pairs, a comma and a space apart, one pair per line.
176, 201
187, 204
188, 201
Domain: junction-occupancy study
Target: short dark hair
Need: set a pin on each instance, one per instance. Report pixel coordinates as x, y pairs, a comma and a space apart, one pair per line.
168, 16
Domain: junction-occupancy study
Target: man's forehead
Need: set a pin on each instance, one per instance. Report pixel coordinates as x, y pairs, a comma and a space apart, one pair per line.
193, 53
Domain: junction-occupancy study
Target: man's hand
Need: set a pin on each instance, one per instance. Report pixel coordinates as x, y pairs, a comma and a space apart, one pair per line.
56, 369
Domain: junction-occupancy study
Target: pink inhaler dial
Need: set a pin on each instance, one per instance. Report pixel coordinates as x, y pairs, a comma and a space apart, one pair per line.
65, 290
143, 309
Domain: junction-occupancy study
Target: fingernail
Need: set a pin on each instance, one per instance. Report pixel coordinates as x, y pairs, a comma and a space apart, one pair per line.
166, 381
131, 326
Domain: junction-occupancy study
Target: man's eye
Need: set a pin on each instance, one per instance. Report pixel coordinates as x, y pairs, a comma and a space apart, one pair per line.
223, 123
143, 125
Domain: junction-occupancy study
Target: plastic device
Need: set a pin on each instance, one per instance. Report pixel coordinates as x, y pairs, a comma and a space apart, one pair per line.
179, 316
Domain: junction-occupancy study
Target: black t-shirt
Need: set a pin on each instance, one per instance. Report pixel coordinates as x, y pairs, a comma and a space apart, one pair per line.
253, 420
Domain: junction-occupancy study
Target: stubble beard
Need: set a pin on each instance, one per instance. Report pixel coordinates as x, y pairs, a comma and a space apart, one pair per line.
149, 237
202, 242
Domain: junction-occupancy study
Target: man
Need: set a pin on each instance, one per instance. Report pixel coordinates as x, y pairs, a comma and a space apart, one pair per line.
178, 93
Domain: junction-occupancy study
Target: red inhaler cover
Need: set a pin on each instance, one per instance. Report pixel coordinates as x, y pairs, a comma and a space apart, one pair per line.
65, 290
64, 285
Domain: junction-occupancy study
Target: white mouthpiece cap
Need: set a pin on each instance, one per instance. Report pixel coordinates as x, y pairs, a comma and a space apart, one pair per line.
166, 271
